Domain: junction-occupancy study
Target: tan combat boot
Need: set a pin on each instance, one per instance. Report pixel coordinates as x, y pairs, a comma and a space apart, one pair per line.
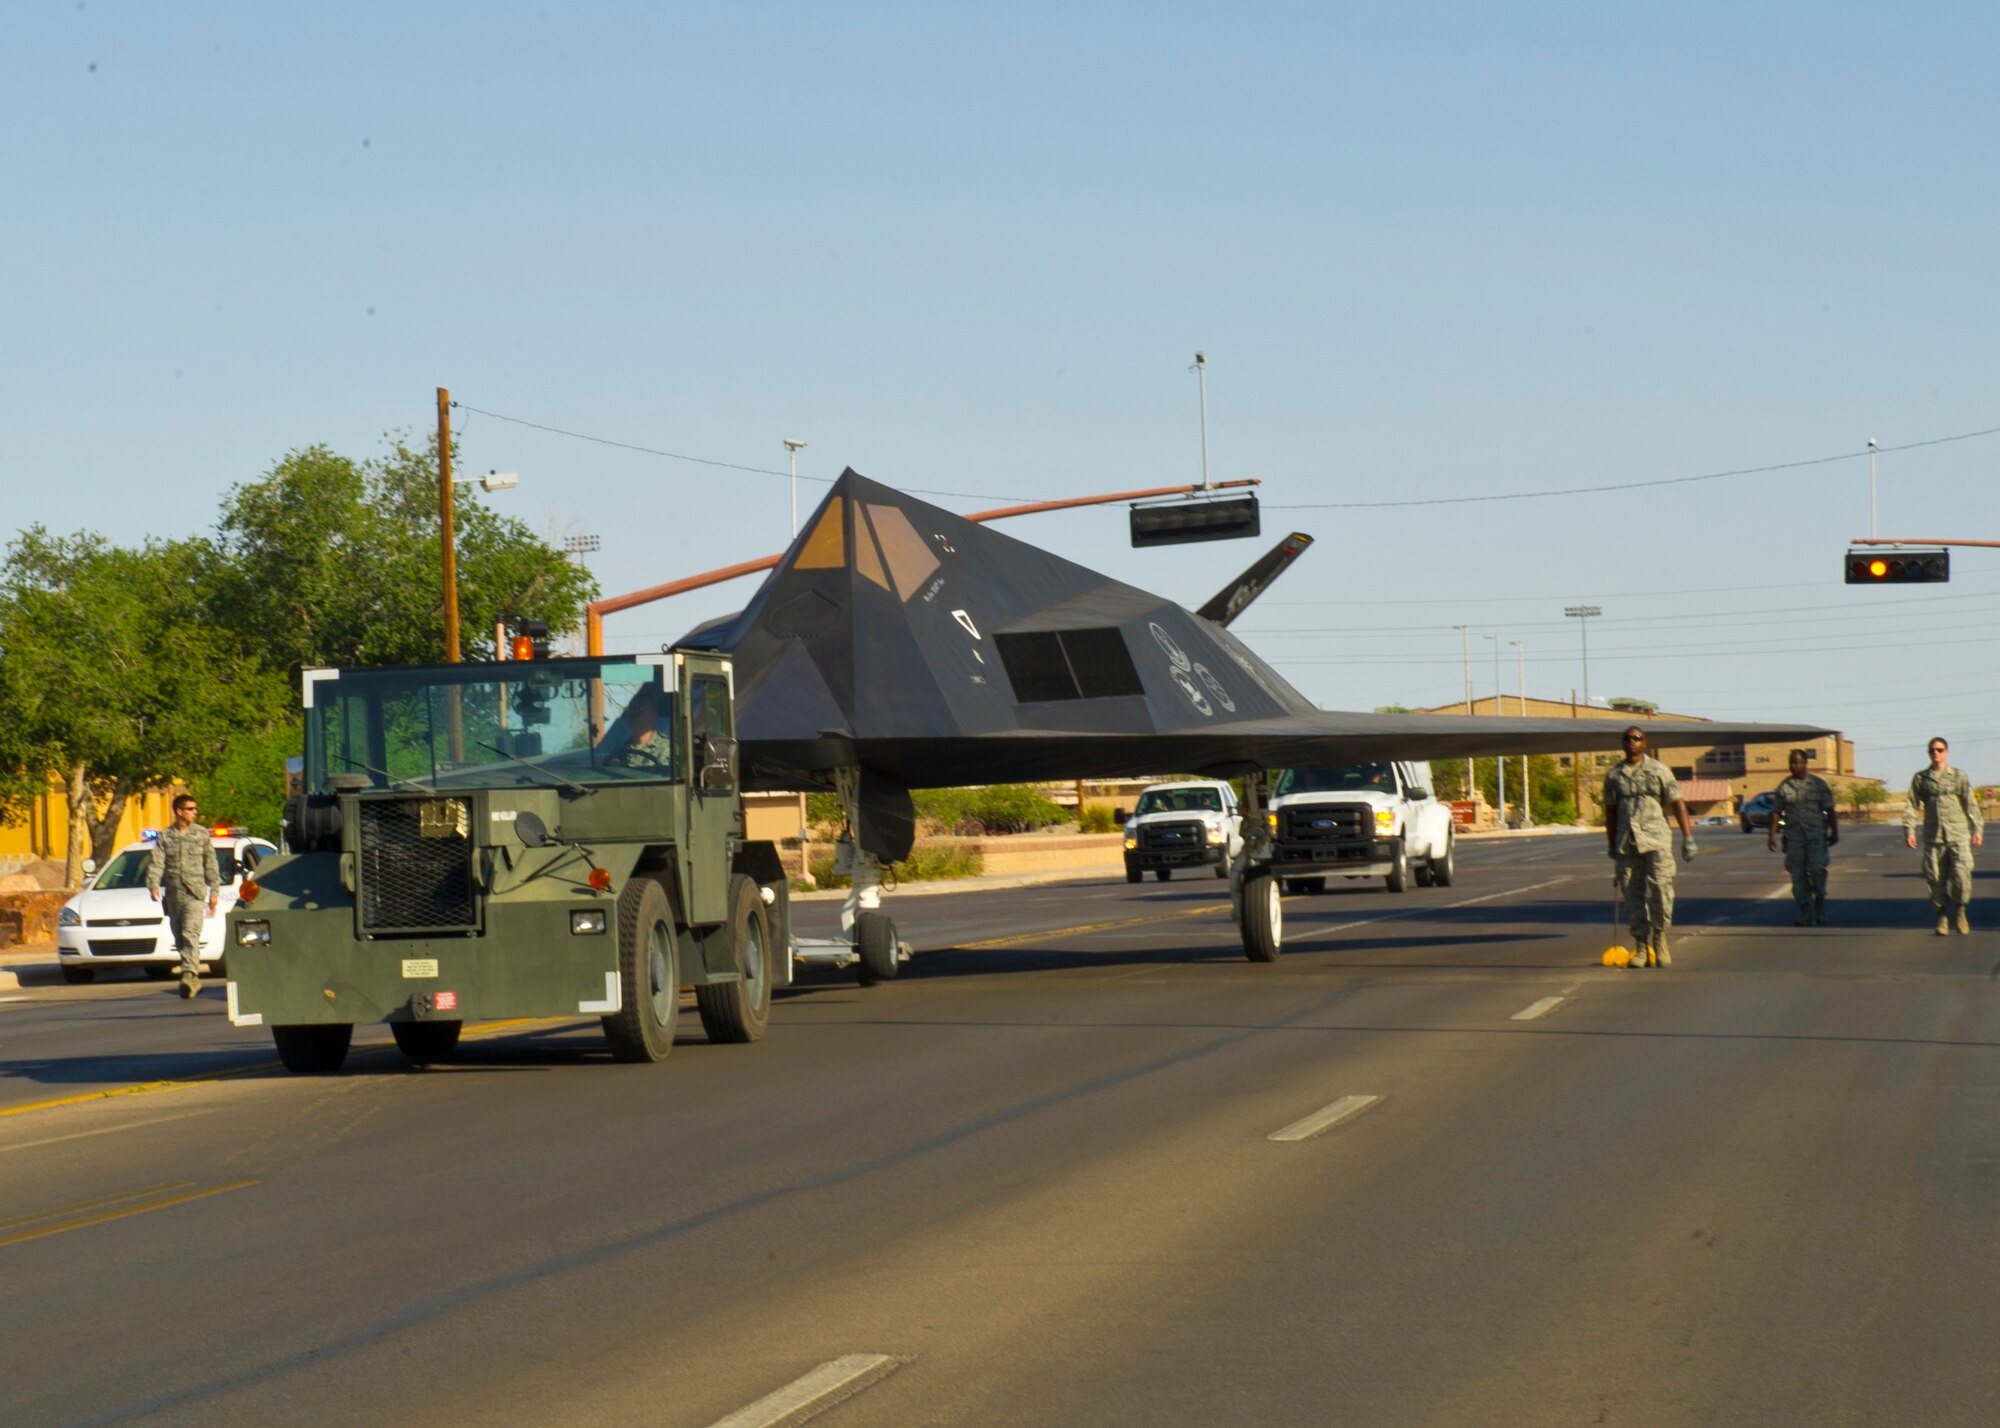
1944, 925
1963, 923
1661, 957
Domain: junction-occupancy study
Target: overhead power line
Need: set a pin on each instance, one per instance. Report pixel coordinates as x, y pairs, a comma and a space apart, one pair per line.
1629, 485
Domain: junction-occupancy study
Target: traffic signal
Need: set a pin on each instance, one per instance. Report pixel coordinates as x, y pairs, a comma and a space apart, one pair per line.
531, 640
1897, 567
1181, 521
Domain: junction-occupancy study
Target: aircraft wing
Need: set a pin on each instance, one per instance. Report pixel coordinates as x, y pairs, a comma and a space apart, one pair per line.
930, 651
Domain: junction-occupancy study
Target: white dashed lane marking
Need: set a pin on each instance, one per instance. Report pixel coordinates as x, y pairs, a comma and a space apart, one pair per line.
814, 1393
1325, 1118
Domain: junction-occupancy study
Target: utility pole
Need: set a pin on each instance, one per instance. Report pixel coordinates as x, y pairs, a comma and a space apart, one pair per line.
445, 536
1465, 642
1521, 673
1499, 764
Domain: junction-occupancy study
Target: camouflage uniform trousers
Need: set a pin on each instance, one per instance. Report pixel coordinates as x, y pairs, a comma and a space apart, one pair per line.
185, 912
1948, 870
1646, 883
1805, 860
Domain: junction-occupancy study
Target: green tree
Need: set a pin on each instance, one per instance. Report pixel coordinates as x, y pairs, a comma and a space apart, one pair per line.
327, 561
1863, 796
112, 679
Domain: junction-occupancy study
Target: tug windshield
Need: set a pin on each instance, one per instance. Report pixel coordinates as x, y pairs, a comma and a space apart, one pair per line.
552, 722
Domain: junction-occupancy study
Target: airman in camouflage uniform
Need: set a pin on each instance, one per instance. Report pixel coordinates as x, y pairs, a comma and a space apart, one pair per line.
1637, 795
1804, 805
1944, 811
181, 870
642, 735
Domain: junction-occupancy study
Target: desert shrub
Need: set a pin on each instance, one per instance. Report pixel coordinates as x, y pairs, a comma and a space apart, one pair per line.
928, 862
1098, 818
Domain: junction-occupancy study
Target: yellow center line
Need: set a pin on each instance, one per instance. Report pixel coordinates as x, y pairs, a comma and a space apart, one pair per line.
147, 1088
138, 1194
124, 1213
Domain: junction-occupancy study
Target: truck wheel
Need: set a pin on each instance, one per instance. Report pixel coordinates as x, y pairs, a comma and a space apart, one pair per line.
875, 941
76, 976
1444, 869
1134, 875
313, 1050
422, 1042
649, 982
735, 1012
1165, 875
1399, 870
1262, 919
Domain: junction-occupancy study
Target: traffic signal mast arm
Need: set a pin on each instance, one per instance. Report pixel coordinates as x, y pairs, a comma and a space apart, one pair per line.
1906, 540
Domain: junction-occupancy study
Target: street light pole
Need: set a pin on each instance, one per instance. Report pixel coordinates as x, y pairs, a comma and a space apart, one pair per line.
1465, 645
1521, 673
445, 536
792, 445
1871, 488
1201, 383
1499, 764
1583, 614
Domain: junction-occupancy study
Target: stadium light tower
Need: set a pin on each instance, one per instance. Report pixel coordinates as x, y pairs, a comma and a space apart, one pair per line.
1583, 615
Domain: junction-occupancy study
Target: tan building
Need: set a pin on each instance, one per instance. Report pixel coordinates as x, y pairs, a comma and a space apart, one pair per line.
1714, 778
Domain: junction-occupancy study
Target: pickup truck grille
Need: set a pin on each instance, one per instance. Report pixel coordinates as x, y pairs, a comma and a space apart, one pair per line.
1326, 824
416, 866
1171, 837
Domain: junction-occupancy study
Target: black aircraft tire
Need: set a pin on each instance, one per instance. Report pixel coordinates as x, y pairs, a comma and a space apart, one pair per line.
425, 1041
1398, 879
1444, 869
734, 1013
313, 1050
1263, 918
77, 976
876, 945
649, 982
1165, 875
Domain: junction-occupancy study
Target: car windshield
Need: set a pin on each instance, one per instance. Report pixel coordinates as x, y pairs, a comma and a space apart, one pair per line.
128, 869
542, 722
1180, 800
1351, 778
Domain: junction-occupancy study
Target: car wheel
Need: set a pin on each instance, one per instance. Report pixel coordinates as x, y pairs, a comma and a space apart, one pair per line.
76, 976
1444, 869
1398, 879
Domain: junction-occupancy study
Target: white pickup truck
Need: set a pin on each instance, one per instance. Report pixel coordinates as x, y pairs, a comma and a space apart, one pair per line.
1182, 825
1358, 821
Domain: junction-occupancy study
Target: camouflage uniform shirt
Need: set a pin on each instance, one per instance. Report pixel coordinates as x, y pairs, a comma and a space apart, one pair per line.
184, 863
1942, 807
1637, 796
1805, 803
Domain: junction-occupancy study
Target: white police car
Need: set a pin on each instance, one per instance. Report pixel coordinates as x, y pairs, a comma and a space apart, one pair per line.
114, 922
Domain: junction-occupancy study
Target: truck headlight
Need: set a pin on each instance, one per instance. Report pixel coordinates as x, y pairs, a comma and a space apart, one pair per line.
1385, 821
253, 932
1215, 832
69, 917
586, 922
1130, 841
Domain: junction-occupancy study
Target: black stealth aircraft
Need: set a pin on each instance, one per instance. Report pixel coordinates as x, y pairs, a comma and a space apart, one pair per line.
912, 648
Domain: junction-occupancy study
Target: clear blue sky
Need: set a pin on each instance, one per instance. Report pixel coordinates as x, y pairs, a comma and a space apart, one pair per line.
1432, 252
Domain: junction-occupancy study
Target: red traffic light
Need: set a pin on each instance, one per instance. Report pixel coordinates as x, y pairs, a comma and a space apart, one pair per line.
1898, 567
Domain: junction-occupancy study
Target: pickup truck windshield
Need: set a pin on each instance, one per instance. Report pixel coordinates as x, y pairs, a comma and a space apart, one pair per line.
1353, 778
1180, 800
492, 725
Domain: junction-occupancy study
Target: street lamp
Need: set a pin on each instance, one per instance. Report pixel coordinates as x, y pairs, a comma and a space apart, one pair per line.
1521, 673
792, 445
1583, 614
1200, 370
1499, 764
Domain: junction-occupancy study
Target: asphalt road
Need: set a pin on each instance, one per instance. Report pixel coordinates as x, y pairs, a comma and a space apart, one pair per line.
1032, 1181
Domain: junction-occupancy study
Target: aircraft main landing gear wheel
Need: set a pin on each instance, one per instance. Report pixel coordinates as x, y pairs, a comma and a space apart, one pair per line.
737, 1011
875, 942
1262, 918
